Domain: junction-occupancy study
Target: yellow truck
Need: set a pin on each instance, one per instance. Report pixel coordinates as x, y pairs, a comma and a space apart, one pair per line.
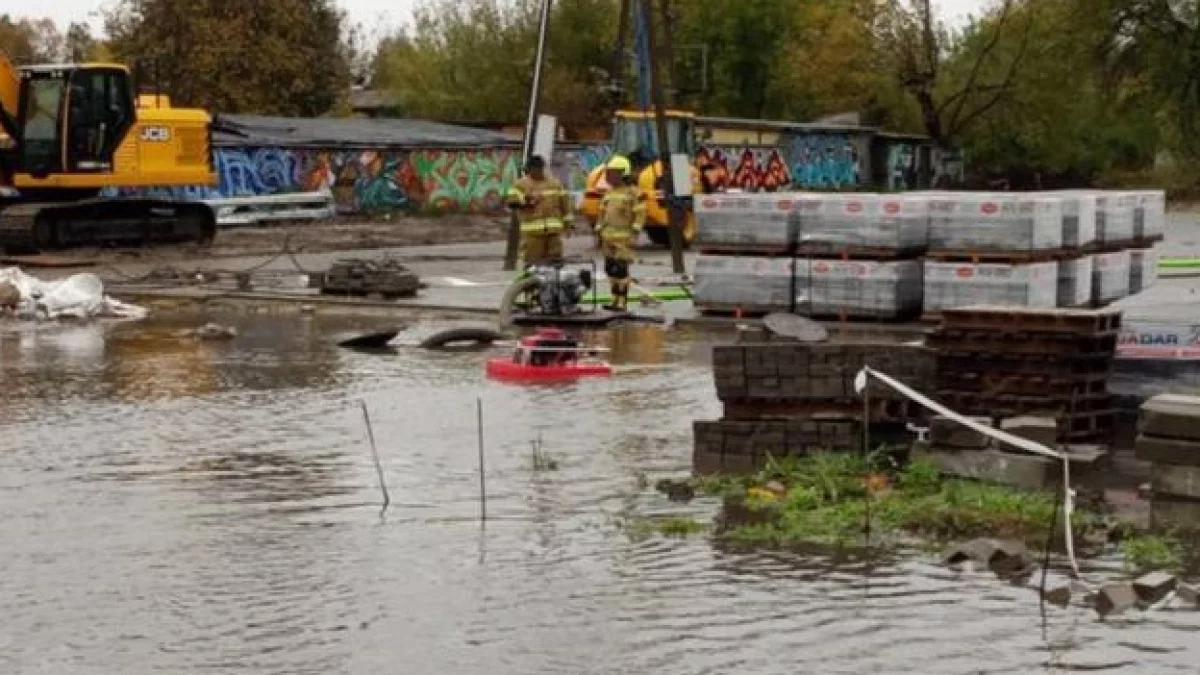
634, 134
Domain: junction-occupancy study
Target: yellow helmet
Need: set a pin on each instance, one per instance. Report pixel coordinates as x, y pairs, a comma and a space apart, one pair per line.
619, 163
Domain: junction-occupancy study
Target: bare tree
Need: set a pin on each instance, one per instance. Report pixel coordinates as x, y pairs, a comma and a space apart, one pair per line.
919, 46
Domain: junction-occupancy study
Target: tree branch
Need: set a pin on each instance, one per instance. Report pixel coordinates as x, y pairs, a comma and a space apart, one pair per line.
968, 88
957, 124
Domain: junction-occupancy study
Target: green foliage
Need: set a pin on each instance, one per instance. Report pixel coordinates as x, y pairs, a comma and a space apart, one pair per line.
1148, 552
275, 57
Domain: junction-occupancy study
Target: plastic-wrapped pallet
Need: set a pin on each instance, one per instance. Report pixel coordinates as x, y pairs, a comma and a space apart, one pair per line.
995, 222
750, 220
830, 223
885, 290
1075, 282
746, 282
1115, 216
1079, 216
1110, 277
1150, 214
950, 284
1143, 269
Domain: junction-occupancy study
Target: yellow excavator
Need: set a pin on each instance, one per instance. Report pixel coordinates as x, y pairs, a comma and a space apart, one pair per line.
75, 129
634, 136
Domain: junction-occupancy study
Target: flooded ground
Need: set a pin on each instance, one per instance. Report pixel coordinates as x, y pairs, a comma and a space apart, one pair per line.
168, 505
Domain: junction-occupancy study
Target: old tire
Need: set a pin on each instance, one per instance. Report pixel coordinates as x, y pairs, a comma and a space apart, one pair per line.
516, 290
468, 337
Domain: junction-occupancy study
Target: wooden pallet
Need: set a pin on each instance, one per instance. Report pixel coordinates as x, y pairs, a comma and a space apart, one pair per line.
1014, 319
979, 342
749, 250
1007, 405
1023, 385
736, 311
1003, 257
1053, 366
880, 410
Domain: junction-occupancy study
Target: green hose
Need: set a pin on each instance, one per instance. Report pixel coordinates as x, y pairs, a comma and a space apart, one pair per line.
1179, 263
661, 294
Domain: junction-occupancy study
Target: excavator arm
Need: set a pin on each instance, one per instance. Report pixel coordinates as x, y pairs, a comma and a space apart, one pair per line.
10, 96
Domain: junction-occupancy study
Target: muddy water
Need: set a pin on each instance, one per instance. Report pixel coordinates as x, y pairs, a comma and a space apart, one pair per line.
181, 507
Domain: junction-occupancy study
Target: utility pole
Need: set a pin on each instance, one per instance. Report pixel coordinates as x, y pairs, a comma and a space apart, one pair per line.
514, 226
664, 141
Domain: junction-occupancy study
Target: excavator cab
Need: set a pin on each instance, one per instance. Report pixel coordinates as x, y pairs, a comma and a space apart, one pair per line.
76, 131
71, 119
635, 135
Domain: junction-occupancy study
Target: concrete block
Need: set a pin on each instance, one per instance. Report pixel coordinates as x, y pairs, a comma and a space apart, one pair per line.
1004, 557
1042, 430
1171, 416
1168, 513
1030, 472
945, 432
1115, 598
1059, 595
1175, 481
1153, 587
1167, 450
1188, 595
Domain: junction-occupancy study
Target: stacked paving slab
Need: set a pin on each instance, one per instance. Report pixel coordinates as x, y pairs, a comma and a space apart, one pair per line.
888, 257
822, 255
998, 362
784, 399
1169, 438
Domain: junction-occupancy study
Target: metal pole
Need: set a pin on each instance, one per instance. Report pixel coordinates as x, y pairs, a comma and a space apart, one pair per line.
664, 144
535, 94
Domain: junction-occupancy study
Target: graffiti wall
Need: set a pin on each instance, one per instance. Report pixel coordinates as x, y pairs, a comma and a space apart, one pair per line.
810, 161
371, 181
823, 161
902, 166
749, 169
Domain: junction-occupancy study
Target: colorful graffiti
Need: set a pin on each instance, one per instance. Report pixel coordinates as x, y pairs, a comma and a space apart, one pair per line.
572, 165
370, 181
749, 169
824, 161
901, 167
471, 181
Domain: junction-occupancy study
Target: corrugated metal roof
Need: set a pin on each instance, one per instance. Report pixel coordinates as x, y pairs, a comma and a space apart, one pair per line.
353, 133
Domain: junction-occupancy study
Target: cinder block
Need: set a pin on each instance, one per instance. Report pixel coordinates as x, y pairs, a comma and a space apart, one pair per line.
1042, 430
945, 432
1006, 468
1171, 416
1188, 595
1153, 587
1115, 598
1175, 481
1167, 450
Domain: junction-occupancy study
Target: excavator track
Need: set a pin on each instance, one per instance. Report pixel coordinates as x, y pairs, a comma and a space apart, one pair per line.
38, 227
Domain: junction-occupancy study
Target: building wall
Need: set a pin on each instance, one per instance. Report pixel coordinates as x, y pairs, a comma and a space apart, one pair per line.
474, 180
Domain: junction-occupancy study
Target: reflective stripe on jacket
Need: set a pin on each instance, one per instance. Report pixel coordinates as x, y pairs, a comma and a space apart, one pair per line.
552, 207
622, 214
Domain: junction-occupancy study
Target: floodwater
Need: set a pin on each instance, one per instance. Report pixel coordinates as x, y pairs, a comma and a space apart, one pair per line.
172, 506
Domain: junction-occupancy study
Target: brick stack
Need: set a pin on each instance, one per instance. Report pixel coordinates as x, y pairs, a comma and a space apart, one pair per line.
1012, 362
1169, 438
788, 398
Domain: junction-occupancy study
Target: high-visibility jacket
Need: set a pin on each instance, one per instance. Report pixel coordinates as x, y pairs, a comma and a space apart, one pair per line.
622, 213
543, 206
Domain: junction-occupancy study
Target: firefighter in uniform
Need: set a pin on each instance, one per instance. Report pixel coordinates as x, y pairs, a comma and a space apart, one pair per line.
622, 215
544, 212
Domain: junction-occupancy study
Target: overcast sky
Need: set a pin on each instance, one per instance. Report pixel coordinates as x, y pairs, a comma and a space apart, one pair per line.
378, 16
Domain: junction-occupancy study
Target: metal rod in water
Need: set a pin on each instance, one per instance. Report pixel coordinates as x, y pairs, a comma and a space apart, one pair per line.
482, 473
387, 499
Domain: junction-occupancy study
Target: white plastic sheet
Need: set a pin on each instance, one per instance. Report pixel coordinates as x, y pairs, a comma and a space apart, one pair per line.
79, 296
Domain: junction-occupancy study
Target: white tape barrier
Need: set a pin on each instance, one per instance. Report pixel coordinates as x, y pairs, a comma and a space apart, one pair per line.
860, 385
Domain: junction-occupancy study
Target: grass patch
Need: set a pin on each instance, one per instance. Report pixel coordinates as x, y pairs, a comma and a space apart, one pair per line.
671, 526
823, 500
1146, 552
